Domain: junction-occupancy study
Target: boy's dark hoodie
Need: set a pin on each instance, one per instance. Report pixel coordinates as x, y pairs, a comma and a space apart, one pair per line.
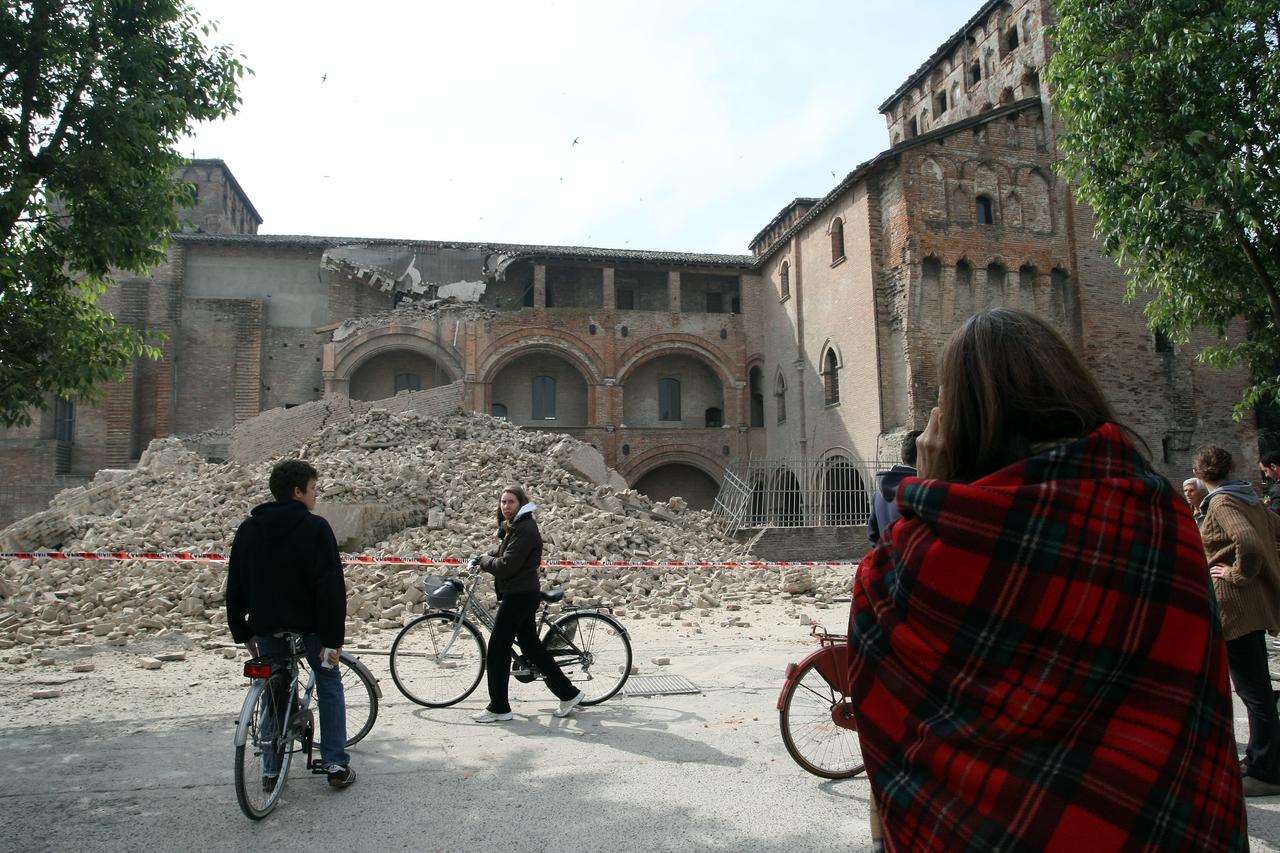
884, 510
285, 574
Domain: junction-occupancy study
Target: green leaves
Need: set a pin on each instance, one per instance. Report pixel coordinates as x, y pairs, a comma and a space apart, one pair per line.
1172, 130
94, 97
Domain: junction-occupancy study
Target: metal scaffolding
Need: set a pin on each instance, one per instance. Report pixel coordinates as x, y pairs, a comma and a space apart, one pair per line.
829, 492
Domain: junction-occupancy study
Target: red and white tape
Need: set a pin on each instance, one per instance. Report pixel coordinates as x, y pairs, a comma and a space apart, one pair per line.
363, 560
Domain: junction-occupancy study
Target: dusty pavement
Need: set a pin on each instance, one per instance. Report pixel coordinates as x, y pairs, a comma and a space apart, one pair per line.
140, 759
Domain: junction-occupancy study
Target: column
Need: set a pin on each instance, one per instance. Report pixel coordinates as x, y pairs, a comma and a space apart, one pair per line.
948, 284
539, 286
608, 294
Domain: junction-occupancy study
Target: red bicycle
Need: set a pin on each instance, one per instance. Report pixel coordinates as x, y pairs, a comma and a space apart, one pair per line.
816, 713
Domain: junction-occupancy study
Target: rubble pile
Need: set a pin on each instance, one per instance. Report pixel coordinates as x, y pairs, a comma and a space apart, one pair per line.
443, 473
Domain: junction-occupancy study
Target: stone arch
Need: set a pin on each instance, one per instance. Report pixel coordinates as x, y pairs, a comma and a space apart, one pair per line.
673, 344
1011, 210
846, 500
570, 347
933, 192
353, 352
637, 465
1037, 211
574, 404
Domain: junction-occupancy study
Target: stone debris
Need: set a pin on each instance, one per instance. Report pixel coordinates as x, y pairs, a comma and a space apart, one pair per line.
51, 693
438, 478
83, 666
149, 663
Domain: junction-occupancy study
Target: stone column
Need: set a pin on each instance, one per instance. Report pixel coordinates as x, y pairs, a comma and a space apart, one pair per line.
608, 294
673, 291
948, 283
539, 286
981, 299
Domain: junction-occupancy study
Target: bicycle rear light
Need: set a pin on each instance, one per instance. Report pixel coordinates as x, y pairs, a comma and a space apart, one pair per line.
257, 668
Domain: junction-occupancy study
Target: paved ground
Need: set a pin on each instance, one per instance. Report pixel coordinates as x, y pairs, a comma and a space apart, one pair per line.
135, 759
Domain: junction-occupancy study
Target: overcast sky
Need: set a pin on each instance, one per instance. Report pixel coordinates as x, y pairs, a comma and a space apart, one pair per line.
695, 121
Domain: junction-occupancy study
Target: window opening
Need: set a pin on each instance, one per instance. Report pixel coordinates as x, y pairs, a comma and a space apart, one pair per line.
831, 379
975, 72
715, 302
837, 240
64, 419
499, 411
785, 279
544, 398
626, 299
408, 382
1163, 343
986, 215
669, 399
780, 398
714, 418
940, 103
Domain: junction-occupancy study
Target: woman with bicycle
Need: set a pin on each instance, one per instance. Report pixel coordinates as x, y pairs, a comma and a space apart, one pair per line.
514, 564
1035, 657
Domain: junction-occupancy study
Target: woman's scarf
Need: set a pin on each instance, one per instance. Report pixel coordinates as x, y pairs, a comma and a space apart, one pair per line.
1037, 664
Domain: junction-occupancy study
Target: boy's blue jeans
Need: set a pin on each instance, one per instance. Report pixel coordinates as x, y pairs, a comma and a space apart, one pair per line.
329, 696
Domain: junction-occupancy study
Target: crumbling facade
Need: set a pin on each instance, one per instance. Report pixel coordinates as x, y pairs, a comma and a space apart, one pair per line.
818, 350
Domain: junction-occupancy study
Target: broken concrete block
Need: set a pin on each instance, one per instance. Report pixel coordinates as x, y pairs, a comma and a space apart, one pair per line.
149, 663
83, 666
50, 693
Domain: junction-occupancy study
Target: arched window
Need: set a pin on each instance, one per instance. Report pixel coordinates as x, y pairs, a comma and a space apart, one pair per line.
544, 398
757, 397
975, 72
984, 210
499, 411
780, 397
669, 399
837, 240
913, 128
784, 279
831, 378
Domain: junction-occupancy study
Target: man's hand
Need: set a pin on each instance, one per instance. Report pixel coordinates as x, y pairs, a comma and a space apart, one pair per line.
932, 458
1219, 571
331, 658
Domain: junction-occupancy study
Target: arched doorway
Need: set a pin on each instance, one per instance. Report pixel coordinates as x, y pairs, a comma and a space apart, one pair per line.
697, 487
391, 371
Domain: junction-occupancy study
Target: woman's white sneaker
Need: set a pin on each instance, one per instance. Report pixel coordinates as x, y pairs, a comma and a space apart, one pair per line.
491, 717
567, 706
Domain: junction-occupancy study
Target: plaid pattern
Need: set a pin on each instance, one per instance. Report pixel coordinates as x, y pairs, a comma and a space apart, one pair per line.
1037, 664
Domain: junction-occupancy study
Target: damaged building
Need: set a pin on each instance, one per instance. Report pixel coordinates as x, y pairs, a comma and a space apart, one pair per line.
785, 375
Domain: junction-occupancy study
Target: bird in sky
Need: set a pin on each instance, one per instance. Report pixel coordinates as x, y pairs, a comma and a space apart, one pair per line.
575, 141
324, 77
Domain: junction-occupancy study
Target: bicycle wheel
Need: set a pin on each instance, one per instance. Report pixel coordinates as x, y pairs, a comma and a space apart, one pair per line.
594, 652
810, 732
258, 785
361, 696
437, 661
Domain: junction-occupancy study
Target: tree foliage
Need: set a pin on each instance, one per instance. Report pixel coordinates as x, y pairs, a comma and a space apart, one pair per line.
94, 97
1172, 129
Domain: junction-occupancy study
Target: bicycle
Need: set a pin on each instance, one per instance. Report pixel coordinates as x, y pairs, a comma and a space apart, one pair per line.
276, 719
438, 659
815, 712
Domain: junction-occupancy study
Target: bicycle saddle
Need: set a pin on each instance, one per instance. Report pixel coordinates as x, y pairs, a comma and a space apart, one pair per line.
552, 595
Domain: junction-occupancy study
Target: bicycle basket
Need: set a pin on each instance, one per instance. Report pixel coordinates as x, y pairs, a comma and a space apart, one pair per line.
442, 596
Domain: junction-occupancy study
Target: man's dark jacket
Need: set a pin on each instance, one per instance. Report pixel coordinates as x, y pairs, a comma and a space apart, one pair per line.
884, 510
514, 562
285, 574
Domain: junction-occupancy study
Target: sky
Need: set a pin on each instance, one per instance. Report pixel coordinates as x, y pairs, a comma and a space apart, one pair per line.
695, 122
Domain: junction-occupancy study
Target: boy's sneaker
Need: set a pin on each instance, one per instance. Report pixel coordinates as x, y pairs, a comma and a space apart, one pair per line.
340, 776
567, 706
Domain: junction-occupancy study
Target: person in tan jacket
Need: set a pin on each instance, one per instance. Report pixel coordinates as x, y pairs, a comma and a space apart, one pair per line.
1242, 543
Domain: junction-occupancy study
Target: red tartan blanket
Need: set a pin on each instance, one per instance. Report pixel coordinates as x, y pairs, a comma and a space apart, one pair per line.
1037, 664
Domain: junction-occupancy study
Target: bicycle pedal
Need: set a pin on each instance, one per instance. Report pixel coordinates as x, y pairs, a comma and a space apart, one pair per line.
525, 676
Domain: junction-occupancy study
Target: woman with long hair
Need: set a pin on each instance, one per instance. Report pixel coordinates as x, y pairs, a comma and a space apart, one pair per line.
1036, 661
514, 564
1241, 536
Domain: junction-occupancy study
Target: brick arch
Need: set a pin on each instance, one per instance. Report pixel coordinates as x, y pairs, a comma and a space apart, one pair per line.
570, 347
674, 344
349, 355
637, 466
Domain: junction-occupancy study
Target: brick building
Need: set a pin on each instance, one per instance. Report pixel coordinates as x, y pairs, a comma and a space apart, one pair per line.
817, 350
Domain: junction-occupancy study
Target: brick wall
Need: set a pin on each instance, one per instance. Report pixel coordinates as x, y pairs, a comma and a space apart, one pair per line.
800, 544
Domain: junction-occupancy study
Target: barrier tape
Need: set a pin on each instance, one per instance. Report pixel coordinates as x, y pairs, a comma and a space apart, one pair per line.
362, 560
